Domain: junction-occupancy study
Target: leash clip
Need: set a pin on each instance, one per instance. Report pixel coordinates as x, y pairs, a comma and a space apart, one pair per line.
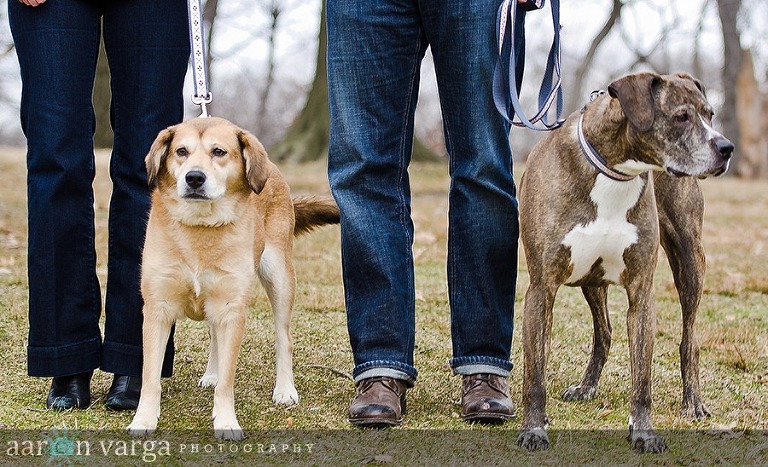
592, 96
596, 93
202, 102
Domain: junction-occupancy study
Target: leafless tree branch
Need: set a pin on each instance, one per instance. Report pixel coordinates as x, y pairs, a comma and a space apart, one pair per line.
586, 63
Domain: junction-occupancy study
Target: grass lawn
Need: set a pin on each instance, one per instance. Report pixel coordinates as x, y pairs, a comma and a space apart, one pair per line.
732, 327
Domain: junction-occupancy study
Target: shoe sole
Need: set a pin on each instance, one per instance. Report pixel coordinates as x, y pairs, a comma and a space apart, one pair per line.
375, 422
65, 403
487, 418
119, 407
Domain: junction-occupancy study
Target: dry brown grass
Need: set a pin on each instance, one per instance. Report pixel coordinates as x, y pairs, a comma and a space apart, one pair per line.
732, 325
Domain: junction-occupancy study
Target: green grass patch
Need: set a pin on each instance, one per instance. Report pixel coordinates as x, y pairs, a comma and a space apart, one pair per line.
732, 327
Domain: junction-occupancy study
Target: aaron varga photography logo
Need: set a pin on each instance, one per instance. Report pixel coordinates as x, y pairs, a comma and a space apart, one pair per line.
63, 446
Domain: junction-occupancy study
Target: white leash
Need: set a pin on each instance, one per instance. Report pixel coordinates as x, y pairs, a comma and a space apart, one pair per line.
201, 96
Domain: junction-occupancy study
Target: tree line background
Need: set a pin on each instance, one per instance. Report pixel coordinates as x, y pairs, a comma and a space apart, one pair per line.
267, 69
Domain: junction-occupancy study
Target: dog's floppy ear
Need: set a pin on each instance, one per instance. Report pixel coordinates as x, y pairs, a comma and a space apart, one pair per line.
158, 152
255, 159
635, 94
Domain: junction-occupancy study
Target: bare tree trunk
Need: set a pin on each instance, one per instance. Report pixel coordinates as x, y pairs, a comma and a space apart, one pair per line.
307, 139
750, 102
728, 11
261, 114
102, 97
698, 70
581, 72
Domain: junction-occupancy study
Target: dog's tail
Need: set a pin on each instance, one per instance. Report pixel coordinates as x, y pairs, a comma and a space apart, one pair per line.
314, 211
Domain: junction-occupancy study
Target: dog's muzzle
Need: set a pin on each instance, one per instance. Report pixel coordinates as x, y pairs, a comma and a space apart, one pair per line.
195, 179
724, 148
722, 152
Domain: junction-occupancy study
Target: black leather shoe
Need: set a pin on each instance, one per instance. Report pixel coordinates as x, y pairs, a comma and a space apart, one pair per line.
124, 393
379, 402
485, 399
71, 391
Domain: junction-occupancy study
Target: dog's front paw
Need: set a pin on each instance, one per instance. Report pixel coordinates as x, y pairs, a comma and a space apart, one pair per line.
285, 396
579, 393
647, 441
208, 380
141, 427
533, 439
230, 433
228, 429
694, 409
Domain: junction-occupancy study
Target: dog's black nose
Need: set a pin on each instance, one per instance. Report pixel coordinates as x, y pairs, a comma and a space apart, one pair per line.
195, 179
724, 147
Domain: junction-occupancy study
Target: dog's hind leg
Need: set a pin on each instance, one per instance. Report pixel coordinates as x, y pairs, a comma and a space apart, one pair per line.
279, 280
597, 298
211, 375
155, 332
681, 240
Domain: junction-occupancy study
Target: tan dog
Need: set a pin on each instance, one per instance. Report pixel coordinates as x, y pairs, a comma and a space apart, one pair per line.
591, 214
221, 213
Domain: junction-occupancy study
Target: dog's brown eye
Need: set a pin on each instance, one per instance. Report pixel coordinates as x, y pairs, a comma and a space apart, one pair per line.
182, 152
682, 117
218, 152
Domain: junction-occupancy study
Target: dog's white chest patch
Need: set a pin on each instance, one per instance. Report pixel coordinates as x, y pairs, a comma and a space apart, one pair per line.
609, 235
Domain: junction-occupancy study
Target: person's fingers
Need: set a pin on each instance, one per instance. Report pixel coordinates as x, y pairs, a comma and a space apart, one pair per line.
32, 3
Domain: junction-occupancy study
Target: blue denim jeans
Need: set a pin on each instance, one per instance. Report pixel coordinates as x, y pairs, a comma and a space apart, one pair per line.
147, 43
375, 49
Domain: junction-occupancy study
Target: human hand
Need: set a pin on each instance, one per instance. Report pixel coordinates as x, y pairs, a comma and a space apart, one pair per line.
530, 4
32, 3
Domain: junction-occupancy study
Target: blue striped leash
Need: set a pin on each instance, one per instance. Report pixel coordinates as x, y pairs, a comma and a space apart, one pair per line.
508, 74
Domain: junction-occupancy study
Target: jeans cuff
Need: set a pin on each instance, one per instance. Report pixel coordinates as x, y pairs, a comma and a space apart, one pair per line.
474, 365
63, 360
396, 370
126, 359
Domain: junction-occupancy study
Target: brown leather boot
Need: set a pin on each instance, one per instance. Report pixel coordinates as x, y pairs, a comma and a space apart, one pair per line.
379, 402
485, 399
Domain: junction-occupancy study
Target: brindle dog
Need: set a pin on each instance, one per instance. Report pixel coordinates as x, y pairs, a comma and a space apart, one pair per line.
598, 220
